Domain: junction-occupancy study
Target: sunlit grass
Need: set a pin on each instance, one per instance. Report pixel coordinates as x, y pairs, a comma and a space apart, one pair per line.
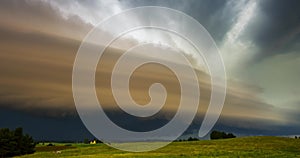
239, 147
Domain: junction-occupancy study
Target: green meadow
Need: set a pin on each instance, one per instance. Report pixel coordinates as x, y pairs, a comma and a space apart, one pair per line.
259, 146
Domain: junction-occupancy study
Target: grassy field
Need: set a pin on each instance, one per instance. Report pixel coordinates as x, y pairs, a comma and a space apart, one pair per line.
238, 147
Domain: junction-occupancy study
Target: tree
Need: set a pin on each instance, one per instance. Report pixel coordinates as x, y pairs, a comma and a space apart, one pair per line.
98, 141
230, 135
86, 141
13, 143
216, 135
192, 139
221, 135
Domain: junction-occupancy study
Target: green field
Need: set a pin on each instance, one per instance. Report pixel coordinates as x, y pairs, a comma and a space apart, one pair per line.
261, 146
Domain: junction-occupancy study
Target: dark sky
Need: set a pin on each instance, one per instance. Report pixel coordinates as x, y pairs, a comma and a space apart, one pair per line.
259, 41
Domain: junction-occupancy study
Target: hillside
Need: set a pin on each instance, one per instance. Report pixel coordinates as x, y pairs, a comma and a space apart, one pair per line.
260, 146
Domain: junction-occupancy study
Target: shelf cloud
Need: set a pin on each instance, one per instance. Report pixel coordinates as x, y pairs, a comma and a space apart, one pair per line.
259, 41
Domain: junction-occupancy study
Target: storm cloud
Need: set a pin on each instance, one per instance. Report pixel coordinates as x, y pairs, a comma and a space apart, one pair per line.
259, 41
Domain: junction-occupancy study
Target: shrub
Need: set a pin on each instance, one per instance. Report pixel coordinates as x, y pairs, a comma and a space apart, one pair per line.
50, 144
13, 143
192, 139
221, 135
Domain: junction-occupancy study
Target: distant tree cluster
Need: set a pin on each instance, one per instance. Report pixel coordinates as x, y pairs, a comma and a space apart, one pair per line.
221, 135
189, 139
13, 143
192, 139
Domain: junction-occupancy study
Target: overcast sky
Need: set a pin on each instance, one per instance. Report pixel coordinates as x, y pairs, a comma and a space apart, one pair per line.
259, 41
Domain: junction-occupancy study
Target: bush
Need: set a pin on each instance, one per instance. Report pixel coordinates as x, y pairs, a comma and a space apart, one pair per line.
192, 139
50, 144
13, 143
221, 135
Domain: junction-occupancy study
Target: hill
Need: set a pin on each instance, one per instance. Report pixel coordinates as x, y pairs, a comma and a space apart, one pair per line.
259, 146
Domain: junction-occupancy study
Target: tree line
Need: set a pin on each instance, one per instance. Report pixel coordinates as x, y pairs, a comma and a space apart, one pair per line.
14, 143
221, 135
